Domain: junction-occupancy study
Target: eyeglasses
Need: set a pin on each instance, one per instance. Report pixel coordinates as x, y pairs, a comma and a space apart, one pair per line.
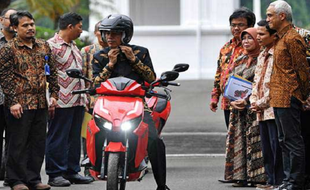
240, 25
6, 18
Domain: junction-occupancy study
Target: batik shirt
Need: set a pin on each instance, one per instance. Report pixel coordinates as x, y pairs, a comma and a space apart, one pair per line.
305, 34
141, 70
260, 88
228, 54
290, 71
87, 55
68, 56
2, 42
22, 74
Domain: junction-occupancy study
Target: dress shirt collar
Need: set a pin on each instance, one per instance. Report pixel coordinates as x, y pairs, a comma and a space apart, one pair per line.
61, 41
282, 32
21, 44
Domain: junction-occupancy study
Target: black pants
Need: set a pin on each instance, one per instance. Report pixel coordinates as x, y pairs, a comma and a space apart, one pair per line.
291, 142
305, 132
2, 129
26, 146
227, 115
272, 152
156, 152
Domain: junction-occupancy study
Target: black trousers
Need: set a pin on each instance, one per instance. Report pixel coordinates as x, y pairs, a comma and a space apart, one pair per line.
305, 132
227, 115
2, 129
157, 153
272, 152
291, 142
26, 146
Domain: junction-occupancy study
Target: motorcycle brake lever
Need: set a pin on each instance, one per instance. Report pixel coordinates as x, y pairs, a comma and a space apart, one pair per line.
167, 89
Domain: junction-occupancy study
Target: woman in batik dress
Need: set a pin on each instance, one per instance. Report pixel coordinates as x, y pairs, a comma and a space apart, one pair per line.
244, 161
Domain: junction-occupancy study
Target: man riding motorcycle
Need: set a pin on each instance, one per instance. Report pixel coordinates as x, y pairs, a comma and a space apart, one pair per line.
134, 62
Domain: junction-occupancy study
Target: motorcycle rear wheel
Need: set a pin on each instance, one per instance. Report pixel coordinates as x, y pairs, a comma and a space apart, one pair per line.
113, 173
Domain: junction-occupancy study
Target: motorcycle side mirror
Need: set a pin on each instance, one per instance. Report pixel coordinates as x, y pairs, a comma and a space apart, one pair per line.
74, 73
181, 67
169, 76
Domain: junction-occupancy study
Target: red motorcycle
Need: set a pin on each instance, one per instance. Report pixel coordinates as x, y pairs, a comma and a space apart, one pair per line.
118, 123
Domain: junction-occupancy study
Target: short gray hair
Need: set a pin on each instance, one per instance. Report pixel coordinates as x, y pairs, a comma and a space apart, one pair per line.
283, 7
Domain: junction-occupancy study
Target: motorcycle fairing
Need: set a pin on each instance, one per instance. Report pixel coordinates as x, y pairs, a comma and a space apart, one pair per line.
92, 129
127, 108
143, 133
115, 147
161, 109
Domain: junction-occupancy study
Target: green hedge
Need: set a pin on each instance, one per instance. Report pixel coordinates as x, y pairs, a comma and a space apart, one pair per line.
47, 33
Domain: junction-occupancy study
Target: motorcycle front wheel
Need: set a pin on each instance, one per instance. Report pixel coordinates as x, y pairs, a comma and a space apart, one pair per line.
114, 172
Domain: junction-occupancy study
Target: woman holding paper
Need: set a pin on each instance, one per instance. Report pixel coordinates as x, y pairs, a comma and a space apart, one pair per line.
244, 162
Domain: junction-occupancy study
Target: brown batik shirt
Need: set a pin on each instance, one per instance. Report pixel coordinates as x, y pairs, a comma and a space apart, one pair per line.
228, 54
290, 75
22, 75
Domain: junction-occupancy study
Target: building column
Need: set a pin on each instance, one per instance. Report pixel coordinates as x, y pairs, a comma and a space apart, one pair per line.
257, 9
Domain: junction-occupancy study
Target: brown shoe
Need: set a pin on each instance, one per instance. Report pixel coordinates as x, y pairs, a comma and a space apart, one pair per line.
20, 187
41, 186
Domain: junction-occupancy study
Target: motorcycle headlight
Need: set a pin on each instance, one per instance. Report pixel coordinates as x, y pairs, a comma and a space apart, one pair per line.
107, 125
126, 126
100, 122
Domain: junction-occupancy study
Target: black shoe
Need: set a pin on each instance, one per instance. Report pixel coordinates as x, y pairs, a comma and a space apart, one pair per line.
78, 179
227, 181
58, 181
163, 188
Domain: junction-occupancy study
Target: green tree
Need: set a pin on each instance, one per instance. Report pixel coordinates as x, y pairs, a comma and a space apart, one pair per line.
300, 11
52, 9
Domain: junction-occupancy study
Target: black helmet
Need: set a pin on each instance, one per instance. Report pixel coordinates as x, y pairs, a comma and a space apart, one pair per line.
119, 23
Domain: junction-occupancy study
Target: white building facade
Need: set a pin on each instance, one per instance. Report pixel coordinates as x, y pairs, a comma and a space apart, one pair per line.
178, 31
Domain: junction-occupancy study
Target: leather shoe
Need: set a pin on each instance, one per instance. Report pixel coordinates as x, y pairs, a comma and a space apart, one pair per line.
226, 181
58, 181
40, 186
78, 179
163, 188
20, 187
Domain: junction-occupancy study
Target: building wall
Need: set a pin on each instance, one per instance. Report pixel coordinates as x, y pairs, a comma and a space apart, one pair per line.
202, 30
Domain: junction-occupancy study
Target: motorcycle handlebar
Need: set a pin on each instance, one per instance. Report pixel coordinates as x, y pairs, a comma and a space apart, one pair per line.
160, 95
173, 83
166, 83
79, 91
87, 91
